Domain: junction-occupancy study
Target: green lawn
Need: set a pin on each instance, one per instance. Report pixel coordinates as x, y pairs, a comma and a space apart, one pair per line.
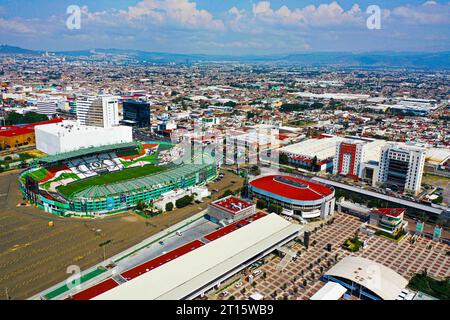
38, 174
152, 159
396, 237
352, 245
64, 288
117, 176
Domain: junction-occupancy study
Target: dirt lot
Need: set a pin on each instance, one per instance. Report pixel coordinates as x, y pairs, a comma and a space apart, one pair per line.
438, 181
34, 256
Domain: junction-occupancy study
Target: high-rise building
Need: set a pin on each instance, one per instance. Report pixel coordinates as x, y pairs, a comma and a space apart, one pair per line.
349, 158
98, 111
402, 166
136, 113
47, 107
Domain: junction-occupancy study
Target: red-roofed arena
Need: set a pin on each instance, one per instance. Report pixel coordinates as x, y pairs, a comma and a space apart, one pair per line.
297, 196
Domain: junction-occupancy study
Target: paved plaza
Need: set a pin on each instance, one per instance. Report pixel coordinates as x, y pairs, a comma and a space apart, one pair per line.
300, 279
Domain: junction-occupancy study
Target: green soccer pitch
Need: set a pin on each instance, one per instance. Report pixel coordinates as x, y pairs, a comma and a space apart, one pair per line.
117, 176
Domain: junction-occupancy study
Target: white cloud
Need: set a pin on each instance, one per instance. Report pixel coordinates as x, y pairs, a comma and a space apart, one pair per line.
430, 3
182, 12
429, 13
15, 26
322, 15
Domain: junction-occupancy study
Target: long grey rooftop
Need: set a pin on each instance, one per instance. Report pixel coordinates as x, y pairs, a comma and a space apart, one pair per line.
86, 151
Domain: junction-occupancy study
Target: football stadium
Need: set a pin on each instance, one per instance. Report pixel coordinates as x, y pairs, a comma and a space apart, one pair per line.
300, 197
110, 179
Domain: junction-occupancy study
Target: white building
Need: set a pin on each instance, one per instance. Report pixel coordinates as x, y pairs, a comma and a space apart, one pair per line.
165, 123
98, 111
68, 136
402, 166
47, 107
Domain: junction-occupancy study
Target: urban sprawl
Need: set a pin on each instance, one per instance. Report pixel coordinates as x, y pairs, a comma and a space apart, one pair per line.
222, 180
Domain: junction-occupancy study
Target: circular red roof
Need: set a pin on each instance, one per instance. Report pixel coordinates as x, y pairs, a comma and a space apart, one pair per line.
292, 188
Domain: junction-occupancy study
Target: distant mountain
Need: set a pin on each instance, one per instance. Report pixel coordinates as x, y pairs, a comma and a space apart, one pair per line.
382, 59
423, 60
438, 60
5, 49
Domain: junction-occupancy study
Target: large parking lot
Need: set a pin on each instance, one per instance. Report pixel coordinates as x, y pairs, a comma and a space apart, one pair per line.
34, 256
300, 279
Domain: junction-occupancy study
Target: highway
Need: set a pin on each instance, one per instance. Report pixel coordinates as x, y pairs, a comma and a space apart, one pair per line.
403, 202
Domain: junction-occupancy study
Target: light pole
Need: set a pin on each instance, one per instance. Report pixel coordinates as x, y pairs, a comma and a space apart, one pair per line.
103, 245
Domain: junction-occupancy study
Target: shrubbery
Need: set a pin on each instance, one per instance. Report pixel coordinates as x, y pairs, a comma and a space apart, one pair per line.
169, 206
261, 204
274, 208
183, 202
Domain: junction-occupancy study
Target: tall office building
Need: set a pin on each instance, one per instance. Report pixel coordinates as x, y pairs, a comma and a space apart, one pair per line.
349, 158
47, 107
136, 113
98, 111
402, 166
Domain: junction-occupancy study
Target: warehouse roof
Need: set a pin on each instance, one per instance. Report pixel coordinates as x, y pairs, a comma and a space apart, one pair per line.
182, 277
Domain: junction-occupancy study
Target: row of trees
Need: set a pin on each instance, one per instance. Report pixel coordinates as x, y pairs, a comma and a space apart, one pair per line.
272, 207
183, 202
30, 117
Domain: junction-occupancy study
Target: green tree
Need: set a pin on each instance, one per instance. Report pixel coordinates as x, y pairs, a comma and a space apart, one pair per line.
141, 206
14, 118
183, 202
284, 159
169, 206
261, 204
227, 193
314, 164
275, 208
32, 117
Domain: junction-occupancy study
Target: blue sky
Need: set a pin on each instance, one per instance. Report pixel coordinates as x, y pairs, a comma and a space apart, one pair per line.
228, 26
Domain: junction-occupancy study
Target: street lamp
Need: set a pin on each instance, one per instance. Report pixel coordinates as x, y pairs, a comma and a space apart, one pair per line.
103, 245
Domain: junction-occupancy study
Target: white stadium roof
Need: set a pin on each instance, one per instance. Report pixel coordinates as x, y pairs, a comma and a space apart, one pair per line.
182, 277
381, 280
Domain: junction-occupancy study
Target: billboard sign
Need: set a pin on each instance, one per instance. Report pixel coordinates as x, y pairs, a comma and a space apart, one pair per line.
110, 203
437, 233
419, 227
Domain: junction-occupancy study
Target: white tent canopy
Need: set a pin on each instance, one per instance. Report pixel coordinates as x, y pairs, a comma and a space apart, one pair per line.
330, 291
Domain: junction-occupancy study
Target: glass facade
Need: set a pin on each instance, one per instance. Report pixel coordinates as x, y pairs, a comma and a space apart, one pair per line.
138, 112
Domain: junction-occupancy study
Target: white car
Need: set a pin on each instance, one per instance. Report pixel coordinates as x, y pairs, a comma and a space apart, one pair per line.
257, 272
238, 284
